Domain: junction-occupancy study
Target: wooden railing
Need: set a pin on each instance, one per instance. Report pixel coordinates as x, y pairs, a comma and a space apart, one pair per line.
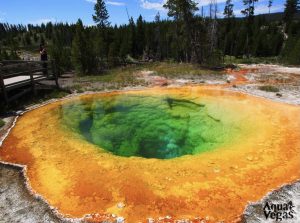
20, 77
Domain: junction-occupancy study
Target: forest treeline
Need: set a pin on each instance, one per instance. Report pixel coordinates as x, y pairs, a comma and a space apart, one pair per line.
188, 36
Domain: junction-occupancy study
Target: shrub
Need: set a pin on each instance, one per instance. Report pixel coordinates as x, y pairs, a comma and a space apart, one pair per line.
268, 88
2, 123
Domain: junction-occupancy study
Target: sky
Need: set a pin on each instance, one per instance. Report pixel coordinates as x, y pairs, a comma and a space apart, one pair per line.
43, 11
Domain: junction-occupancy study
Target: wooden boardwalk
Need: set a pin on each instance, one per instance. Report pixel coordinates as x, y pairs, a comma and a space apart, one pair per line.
20, 77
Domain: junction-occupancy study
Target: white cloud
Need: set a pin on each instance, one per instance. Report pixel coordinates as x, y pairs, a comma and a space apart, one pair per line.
207, 2
40, 21
114, 3
260, 9
2, 14
159, 6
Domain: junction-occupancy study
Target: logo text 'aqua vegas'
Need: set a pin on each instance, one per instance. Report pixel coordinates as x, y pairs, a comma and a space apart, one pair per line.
279, 212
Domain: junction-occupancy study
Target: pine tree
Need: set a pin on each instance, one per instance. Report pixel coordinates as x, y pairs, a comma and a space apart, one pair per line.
184, 11
49, 30
249, 14
124, 49
132, 37
140, 35
60, 54
42, 39
270, 3
229, 16
249, 10
100, 48
228, 10
80, 50
179, 39
294, 54
291, 7
101, 15
113, 54
181, 9
158, 43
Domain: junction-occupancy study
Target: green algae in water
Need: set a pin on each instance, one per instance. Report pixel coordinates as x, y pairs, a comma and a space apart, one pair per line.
146, 126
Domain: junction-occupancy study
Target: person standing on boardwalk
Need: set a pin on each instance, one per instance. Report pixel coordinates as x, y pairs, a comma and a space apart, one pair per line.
44, 58
43, 53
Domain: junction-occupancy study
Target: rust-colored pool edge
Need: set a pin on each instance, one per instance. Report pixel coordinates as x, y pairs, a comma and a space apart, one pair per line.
22, 169
92, 216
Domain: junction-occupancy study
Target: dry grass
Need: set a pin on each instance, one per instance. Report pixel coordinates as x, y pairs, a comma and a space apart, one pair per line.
269, 88
2, 123
126, 76
172, 70
123, 76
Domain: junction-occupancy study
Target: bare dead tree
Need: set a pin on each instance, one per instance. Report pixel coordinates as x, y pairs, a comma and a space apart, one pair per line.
212, 30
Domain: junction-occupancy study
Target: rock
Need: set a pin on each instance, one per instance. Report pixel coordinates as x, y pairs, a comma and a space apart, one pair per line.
120, 220
120, 205
19, 113
150, 220
250, 158
230, 66
216, 170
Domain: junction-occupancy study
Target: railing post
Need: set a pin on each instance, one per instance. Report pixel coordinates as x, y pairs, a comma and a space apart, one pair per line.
2, 85
31, 79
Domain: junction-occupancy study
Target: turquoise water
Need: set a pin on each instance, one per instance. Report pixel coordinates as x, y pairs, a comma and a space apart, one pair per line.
161, 127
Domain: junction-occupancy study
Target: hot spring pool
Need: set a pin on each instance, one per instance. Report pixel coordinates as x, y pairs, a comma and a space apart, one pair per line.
183, 152
160, 126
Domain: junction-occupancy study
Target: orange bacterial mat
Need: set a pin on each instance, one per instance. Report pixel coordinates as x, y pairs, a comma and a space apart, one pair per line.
258, 150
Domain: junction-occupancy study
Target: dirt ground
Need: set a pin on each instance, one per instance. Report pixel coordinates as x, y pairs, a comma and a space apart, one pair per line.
286, 79
246, 78
18, 204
